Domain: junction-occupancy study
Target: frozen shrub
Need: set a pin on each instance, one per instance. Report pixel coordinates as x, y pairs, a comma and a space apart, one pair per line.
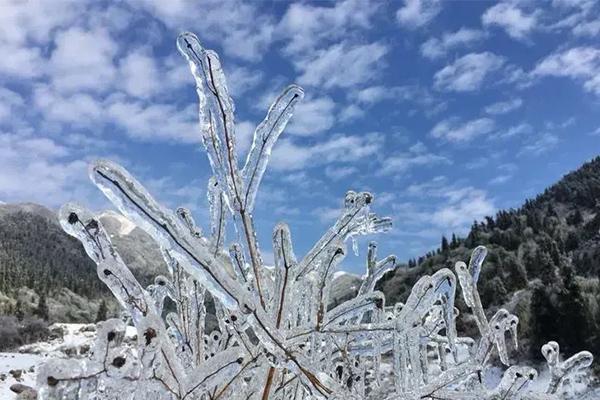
276, 337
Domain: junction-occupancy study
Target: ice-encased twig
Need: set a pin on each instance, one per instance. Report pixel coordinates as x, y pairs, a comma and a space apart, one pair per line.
563, 370
468, 277
265, 136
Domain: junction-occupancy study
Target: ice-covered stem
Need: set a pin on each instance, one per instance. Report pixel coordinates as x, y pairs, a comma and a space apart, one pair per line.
376, 269
501, 323
468, 277
562, 370
153, 341
265, 137
217, 122
285, 262
218, 214
355, 220
514, 380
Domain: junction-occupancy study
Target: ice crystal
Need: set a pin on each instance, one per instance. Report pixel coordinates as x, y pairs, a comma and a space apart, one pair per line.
276, 337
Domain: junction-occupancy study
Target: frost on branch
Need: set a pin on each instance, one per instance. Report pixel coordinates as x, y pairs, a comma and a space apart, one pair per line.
276, 337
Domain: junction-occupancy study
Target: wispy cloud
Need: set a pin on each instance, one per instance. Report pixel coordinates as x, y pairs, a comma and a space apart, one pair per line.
578, 63
343, 65
455, 130
540, 145
435, 48
417, 156
511, 18
288, 155
504, 107
468, 72
418, 13
455, 207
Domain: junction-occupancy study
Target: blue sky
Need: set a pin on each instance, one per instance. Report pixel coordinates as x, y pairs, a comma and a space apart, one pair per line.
446, 111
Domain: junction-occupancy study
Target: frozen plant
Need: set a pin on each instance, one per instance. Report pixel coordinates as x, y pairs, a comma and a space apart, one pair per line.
276, 337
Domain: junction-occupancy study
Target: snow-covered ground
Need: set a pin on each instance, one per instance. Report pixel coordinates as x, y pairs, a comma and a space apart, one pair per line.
17, 361
77, 340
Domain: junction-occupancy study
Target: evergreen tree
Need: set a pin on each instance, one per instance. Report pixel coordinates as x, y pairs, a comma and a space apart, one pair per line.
102, 312
576, 320
19, 310
544, 323
454, 242
42, 308
493, 291
575, 218
445, 246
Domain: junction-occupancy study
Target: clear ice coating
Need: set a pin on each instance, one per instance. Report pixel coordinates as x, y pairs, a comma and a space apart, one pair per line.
275, 336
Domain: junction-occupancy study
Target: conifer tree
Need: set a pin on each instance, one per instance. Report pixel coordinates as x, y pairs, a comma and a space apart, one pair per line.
19, 310
42, 308
445, 246
102, 312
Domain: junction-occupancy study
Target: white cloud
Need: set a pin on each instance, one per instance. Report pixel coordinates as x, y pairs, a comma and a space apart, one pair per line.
414, 94
468, 72
435, 48
240, 28
307, 26
22, 63
587, 28
342, 65
241, 79
338, 149
9, 101
312, 117
540, 145
139, 120
512, 19
579, 63
500, 179
39, 169
451, 207
504, 107
83, 60
337, 173
520, 129
244, 134
327, 215
373, 94
155, 122
140, 74
418, 13
417, 156
465, 205
21, 21
78, 109
350, 113
454, 130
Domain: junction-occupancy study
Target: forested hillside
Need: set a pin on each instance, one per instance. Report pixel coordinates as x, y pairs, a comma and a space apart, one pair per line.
39, 262
543, 264
36, 253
